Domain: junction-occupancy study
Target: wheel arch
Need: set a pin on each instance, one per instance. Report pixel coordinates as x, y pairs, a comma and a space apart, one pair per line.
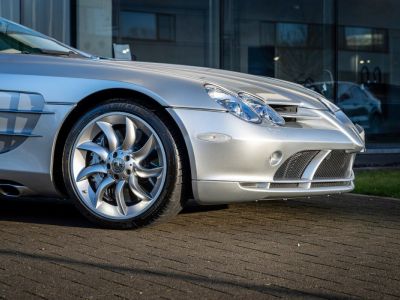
99, 97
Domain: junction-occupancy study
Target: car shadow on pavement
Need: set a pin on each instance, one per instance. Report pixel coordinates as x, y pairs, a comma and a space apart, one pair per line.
61, 212
42, 211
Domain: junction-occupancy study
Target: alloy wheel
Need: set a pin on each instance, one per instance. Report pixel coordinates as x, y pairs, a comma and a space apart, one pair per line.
118, 165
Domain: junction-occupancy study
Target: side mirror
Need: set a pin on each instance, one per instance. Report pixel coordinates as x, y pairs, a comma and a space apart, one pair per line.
122, 51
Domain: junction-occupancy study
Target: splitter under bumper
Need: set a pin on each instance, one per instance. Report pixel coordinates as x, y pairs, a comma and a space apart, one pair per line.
219, 192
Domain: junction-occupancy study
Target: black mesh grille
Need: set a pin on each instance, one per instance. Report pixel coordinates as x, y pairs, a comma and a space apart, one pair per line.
330, 184
295, 165
283, 185
335, 165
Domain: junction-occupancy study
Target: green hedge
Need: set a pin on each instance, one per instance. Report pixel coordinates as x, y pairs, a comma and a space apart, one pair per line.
378, 182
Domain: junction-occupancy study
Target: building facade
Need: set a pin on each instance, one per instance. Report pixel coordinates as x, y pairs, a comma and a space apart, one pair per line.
348, 50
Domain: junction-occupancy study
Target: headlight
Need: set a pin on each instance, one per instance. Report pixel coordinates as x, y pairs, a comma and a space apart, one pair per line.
265, 111
232, 103
330, 105
245, 106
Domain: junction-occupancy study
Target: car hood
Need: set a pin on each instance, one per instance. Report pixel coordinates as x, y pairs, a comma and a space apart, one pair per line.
170, 83
270, 89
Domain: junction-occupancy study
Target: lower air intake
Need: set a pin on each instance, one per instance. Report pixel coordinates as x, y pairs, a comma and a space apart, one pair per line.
330, 184
336, 165
294, 166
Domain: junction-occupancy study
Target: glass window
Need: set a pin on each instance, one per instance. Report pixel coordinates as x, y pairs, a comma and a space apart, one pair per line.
291, 34
291, 40
51, 17
166, 27
138, 25
146, 26
362, 39
175, 31
10, 10
94, 27
368, 59
18, 39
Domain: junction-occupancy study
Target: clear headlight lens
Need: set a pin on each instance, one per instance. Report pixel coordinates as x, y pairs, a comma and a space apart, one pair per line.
262, 109
330, 105
232, 104
245, 106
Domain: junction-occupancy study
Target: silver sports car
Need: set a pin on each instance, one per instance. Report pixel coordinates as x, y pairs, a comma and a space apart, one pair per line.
129, 142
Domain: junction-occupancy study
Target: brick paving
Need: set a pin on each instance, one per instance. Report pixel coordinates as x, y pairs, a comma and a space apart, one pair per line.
338, 247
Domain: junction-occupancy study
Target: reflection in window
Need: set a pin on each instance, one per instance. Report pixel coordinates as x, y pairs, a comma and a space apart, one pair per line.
290, 40
267, 33
364, 39
10, 9
166, 27
173, 31
50, 17
138, 25
290, 34
17, 39
147, 26
368, 46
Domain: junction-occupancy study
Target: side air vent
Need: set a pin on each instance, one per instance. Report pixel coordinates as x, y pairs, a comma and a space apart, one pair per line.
19, 115
292, 113
288, 112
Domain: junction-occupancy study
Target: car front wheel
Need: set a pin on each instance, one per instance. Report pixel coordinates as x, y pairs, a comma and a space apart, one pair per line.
122, 166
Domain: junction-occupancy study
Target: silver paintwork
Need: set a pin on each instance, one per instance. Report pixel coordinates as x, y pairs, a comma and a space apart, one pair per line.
233, 166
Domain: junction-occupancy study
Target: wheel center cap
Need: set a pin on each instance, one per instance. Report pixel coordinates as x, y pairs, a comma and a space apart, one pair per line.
118, 165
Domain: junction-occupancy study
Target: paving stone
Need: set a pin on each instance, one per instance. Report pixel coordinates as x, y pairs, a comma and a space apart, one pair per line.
338, 247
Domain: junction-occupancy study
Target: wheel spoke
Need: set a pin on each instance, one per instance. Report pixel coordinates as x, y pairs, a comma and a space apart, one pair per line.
110, 134
143, 152
130, 135
95, 148
101, 190
119, 197
153, 181
137, 189
147, 173
88, 171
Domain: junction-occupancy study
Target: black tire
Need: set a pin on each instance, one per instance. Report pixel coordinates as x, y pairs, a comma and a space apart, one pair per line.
170, 201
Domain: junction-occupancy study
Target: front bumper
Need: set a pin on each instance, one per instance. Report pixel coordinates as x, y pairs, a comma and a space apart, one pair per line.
235, 161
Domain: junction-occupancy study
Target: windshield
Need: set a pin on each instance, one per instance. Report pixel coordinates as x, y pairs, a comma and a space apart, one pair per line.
17, 39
